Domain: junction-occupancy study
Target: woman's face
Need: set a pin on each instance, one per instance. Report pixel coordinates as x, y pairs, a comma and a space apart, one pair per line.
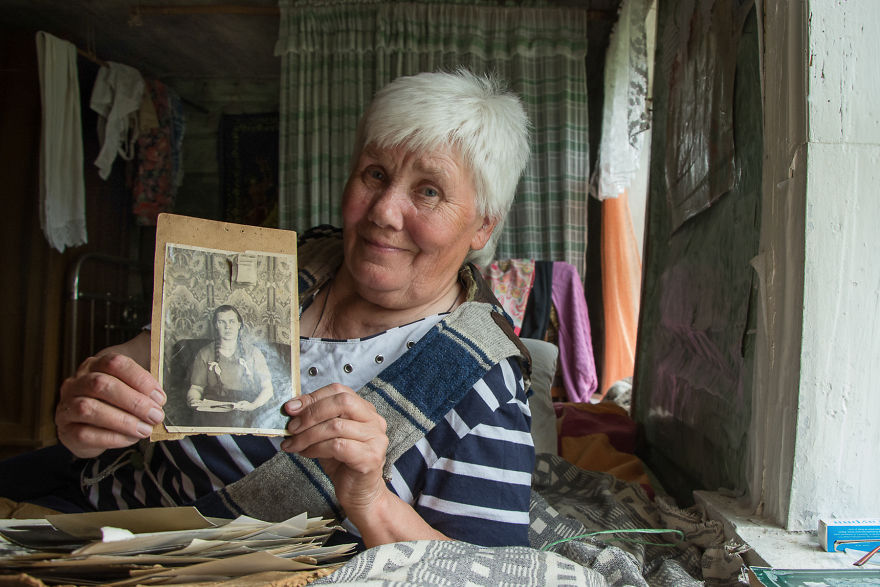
227, 326
409, 221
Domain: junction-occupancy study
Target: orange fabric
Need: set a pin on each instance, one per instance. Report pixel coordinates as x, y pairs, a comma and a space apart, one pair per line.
621, 288
600, 408
594, 452
600, 437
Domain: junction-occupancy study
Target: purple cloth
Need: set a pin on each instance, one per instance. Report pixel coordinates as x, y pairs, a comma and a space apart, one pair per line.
575, 343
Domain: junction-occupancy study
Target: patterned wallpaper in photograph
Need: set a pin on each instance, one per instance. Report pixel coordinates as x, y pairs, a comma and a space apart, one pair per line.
198, 280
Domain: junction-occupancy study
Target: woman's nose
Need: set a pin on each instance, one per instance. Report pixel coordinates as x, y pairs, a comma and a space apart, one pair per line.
387, 208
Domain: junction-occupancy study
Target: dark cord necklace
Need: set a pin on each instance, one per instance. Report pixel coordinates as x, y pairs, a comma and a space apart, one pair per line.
327, 297
323, 307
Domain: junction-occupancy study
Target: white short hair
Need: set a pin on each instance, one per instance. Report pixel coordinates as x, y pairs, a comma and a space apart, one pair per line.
474, 114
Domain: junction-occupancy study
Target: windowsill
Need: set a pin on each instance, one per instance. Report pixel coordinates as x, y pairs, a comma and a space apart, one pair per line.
772, 546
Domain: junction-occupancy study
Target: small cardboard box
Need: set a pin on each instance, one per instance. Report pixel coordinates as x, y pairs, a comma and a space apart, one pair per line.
839, 534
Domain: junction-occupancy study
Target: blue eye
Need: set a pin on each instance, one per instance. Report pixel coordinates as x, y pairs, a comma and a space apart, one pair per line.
431, 192
375, 174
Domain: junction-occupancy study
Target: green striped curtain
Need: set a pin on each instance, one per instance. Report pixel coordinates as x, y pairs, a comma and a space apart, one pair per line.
335, 55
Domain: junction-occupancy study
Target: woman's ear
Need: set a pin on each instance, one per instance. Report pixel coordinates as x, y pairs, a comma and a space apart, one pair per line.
481, 237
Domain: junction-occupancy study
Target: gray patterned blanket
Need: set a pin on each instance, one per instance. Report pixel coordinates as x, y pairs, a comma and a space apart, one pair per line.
568, 503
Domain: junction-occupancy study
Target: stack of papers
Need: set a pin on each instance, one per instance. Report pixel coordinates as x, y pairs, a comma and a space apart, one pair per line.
158, 546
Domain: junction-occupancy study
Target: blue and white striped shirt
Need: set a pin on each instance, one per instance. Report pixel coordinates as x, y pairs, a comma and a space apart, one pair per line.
469, 477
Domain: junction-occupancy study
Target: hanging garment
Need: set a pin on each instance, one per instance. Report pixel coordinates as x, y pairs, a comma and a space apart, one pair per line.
511, 281
576, 361
621, 288
625, 116
158, 155
116, 97
537, 316
62, 186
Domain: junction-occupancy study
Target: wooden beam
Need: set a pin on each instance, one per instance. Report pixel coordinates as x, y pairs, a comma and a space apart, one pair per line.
142, 10
189, 9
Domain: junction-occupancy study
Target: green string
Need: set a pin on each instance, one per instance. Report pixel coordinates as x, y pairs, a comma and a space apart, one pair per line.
630, 540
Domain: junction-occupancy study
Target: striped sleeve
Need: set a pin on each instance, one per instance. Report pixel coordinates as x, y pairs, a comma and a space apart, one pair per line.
177, 472
470, 476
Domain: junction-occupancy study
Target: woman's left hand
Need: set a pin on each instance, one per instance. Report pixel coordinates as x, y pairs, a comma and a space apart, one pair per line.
348, 436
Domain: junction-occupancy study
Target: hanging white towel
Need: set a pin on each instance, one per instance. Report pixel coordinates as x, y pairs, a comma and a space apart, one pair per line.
624, 112
62, 188
116, 97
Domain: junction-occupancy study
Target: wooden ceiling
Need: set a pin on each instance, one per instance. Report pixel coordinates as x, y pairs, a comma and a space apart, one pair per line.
165, 39
181, 38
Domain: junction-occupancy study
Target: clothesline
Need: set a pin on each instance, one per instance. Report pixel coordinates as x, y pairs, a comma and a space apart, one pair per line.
90, 57
95, 59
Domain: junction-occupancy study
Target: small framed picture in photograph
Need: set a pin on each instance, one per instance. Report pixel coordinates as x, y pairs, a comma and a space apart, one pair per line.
225, 323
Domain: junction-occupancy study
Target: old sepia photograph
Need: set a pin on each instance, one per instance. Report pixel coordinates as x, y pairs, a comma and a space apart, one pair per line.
227, 326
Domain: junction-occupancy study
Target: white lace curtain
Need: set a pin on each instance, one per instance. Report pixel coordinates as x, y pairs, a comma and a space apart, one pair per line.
336, 55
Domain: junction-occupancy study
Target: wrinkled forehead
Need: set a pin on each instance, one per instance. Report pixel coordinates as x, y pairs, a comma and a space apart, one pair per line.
440, 159
424, 156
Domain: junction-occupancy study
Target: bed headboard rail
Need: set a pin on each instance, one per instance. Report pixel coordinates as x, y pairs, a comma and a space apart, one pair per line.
109, 302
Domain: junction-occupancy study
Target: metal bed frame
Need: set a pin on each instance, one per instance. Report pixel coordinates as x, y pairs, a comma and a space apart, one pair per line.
106, 313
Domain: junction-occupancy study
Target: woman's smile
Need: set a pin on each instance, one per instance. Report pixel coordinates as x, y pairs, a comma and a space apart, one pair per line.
381, 245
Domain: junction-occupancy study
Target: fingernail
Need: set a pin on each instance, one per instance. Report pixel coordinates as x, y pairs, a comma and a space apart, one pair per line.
158, 397
144, 429
285, 445
293, 425
294, 404
155, 415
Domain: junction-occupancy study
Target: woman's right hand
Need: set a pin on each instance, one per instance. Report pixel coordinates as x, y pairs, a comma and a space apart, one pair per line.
112, 401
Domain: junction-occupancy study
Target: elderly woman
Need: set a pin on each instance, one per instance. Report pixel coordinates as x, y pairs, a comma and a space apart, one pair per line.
414, 416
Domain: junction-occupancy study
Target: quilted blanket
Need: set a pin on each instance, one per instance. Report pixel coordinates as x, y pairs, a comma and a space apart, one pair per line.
571, 513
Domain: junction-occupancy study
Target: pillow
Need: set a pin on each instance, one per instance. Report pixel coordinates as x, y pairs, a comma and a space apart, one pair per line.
544, 355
